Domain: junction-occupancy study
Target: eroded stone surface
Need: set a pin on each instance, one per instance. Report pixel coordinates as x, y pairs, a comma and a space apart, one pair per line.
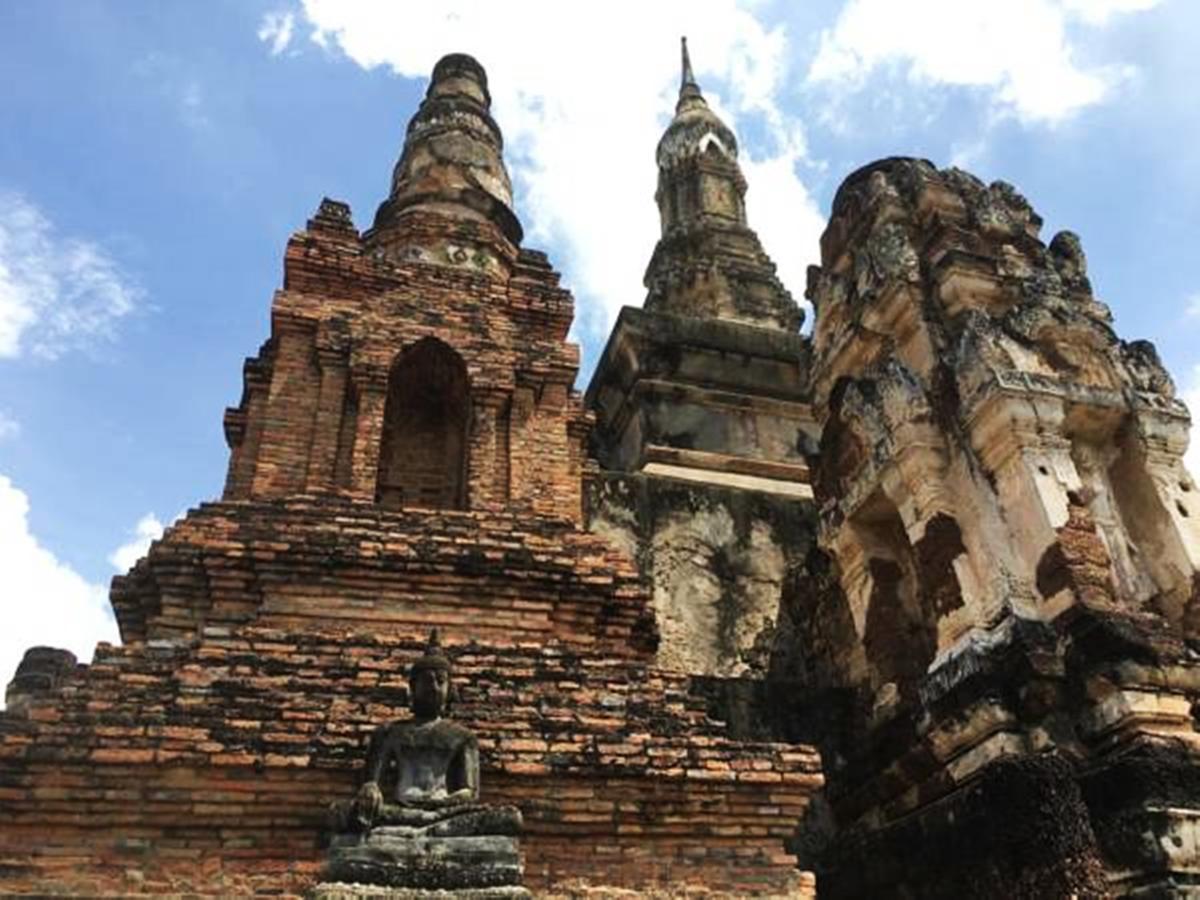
717, 559
345, 891
1007, 555
384, 857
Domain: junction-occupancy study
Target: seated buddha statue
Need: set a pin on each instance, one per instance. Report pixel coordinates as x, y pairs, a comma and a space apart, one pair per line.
419, 804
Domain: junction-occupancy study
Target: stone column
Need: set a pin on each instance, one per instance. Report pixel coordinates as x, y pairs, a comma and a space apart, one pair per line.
288, 420
1160, 509
1019, 440
521, 445
244, 459
370, 382
487, 460
946, 533
330, 400
1164, 440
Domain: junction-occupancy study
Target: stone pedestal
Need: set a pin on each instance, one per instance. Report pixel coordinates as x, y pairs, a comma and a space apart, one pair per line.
340, 891
394, 857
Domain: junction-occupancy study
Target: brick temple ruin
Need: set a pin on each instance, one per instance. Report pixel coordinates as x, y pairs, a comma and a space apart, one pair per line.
904, 608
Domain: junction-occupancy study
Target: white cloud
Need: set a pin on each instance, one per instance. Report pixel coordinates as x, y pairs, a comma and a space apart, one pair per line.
147, 530
582, 113
1192, 310
966, 154
192, 108
1192, 398
787, 220
9, 427
56, 293
176, 82
1019, 51
1097, 12
45, 601
276, 30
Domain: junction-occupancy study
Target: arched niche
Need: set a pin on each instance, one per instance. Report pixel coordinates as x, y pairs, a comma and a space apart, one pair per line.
900, 625
1150, 563
423, 455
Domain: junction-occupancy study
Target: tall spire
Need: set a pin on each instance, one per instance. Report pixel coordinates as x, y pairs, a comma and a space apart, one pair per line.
688, 88
708, 263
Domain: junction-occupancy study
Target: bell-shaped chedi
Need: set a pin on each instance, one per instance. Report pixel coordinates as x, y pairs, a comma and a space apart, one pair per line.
702, 414
708, 262
451, 197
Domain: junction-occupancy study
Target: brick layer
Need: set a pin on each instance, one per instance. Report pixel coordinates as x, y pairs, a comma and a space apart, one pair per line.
308, 561
315, 392
206, 766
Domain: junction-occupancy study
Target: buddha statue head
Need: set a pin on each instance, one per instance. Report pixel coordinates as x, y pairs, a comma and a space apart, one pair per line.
429, 682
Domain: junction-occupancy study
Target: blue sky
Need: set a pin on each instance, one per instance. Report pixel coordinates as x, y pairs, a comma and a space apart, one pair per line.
155, 157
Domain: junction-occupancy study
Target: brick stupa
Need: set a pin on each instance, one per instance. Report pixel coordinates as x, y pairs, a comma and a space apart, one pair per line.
409, 451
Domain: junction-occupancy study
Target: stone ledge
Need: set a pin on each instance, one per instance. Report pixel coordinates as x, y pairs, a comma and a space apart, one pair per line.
392, 857
343, 891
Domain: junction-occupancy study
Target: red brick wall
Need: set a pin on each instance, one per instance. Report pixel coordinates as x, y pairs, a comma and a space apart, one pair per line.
344, 315
329, 561
281, 464
268, 634
207, 766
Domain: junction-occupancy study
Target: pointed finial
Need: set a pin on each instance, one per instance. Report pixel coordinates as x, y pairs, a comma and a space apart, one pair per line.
433, 657
688, 88
688, 76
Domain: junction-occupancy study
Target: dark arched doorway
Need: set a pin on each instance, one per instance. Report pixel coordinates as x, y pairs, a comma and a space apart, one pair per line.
422, 460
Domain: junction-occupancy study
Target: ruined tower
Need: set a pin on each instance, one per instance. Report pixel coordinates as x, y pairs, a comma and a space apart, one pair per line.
477, 410
702, 421
1005, 596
